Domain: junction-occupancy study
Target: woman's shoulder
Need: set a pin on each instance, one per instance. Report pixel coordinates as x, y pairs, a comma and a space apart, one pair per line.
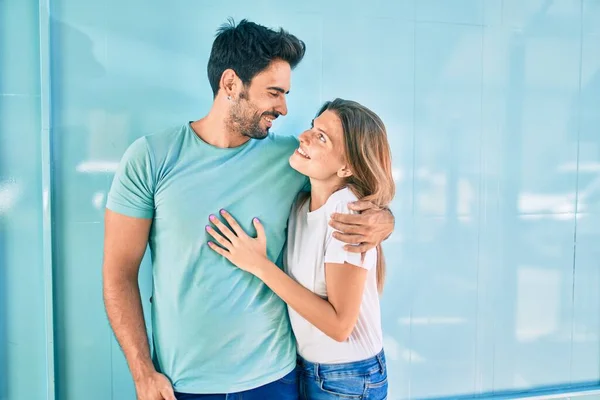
338, 202
335, 252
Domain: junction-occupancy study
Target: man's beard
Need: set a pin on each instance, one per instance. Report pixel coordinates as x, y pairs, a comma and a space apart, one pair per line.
245, 120
250, 126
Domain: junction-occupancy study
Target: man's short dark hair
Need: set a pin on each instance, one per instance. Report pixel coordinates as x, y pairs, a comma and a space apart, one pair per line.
248, 49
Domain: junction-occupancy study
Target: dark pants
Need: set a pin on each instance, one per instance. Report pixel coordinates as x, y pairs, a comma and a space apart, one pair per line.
285, 388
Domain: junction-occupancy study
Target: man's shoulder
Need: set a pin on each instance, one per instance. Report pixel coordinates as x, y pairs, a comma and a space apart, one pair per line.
159, 144
286, 142
165, 137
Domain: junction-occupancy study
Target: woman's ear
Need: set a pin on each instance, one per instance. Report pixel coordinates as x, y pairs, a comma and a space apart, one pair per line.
344, 172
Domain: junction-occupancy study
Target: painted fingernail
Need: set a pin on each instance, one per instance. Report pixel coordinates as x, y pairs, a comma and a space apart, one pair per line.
212, 217
223, 211
256, 220
210, 244
208, 228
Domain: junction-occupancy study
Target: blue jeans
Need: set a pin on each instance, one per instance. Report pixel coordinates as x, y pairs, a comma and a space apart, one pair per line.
365, 380
285, 388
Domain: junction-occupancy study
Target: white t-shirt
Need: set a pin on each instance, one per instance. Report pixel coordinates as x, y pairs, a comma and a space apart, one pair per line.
311, 245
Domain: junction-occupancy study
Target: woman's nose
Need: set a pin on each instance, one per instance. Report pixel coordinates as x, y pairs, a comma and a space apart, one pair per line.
304, 138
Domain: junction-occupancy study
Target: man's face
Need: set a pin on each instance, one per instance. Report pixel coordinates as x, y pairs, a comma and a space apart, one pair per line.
259, 104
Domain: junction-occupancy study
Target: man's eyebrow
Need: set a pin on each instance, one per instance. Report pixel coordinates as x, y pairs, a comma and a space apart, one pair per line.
280, 90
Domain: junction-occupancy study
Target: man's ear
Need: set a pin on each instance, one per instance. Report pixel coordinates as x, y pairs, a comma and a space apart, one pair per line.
230, 83
344, 172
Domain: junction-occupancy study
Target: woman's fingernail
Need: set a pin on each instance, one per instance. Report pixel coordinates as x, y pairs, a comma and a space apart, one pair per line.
256, 220
223, 211
212, 217
207, 228
210, 244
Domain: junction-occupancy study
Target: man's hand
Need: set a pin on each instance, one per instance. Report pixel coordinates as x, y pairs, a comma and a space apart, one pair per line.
154, 386
363, 231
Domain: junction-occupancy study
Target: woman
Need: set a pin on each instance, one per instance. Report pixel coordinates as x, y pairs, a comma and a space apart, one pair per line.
332, 294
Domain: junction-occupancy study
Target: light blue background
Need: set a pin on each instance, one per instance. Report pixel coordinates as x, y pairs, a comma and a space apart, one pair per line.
493, 112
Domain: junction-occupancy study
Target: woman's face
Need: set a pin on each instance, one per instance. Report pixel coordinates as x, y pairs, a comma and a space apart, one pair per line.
321, 152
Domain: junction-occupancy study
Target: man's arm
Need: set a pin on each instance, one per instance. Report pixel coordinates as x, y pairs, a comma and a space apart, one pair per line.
364, 231
125, 240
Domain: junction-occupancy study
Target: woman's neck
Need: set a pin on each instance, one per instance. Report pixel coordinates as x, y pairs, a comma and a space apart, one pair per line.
321, 191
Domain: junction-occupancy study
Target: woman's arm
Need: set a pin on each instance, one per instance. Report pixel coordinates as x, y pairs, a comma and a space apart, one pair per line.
335, 316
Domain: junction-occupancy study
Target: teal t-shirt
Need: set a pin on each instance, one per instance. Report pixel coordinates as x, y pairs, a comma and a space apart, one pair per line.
216, 328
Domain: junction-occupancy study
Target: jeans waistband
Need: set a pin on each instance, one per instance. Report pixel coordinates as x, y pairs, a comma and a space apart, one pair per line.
363, 367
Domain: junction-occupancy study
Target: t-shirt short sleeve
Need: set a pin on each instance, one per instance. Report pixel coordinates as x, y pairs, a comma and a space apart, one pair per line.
335, 252
132, 189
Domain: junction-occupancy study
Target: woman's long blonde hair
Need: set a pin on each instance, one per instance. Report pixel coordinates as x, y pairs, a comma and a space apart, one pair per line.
368, 154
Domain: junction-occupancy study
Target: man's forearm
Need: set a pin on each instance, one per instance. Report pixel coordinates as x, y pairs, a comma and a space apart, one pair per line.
124, 309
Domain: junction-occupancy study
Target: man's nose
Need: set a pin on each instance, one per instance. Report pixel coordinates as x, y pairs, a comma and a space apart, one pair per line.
282, 107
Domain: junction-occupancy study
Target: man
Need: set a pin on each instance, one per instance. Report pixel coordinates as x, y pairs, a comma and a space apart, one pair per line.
216, 329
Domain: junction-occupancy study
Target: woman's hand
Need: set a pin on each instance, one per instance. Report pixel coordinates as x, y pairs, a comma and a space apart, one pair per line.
245, 252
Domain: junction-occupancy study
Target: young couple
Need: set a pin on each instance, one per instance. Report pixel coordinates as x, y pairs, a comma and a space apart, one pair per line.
287, 240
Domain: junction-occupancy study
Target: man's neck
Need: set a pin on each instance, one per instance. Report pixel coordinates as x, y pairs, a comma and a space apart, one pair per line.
213, 130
